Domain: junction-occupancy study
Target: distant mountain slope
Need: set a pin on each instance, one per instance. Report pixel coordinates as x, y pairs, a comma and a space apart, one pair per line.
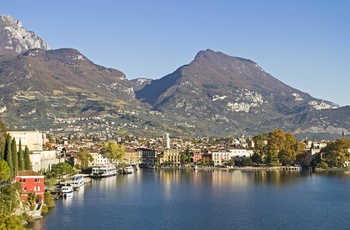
45, 84
14, 39
139, 83
227, 92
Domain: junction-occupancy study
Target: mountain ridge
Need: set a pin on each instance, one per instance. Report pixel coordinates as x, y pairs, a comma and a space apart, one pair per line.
214, 95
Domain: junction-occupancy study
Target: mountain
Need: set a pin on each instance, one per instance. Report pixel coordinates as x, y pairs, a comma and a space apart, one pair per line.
221, 94
44, 85
62, 91
14, 39
139, 83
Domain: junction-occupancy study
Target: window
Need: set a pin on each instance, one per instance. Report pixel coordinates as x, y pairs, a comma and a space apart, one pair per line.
22, 180
39, 188
24, 188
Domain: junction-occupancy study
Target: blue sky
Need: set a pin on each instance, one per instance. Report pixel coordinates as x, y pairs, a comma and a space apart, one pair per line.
304, 43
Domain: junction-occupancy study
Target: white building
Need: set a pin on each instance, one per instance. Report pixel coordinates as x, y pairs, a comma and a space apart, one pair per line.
43, 160
220, 157
98, 159
34, 140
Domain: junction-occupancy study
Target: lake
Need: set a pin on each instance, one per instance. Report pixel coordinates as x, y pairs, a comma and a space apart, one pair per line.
187, 199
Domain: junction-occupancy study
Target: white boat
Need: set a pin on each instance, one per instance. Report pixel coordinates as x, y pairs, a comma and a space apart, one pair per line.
67, 190
103, 171
128, 170
195, 167
77, 181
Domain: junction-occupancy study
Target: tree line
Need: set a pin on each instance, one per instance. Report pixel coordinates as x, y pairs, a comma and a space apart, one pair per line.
277, 147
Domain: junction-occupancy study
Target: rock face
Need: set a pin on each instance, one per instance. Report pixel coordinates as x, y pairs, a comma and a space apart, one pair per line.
14, 39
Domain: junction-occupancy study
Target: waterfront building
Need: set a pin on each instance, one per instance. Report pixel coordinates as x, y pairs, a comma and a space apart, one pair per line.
31, 182
197, 156
148, 156
132, 156
98, 159
219, 157
172, 156
207, 159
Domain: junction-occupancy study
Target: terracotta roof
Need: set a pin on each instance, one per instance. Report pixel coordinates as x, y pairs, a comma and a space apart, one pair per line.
28, 173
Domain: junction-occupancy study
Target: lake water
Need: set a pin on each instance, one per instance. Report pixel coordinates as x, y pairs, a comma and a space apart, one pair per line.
186, 199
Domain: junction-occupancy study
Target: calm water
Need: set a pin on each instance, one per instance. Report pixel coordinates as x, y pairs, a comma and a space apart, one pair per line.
184, 199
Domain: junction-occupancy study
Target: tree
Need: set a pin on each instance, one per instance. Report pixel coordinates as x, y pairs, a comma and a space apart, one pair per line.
336, 153
14, 156
48, 146
8, 221
275, 144
287, 154
27, 163
49, 137
184, 158
5, 172
61, 169
31, 198
260, 151
84, 158
20, 156
246, 161
2, 145
2, 139
8, 155
114, 151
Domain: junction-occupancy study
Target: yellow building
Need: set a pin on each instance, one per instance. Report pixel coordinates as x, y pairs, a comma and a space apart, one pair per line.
132, 156
172, 156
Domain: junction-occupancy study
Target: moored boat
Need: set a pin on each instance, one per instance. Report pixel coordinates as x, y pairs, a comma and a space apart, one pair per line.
103, 171
77, 181
128, 170
67, 190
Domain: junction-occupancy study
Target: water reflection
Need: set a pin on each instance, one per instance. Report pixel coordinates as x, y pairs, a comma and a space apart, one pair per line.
183, 199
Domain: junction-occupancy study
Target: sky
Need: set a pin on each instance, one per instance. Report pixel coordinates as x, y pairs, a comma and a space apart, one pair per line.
303, 43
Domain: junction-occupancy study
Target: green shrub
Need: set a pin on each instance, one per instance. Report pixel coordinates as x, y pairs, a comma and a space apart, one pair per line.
45, 209
48, 200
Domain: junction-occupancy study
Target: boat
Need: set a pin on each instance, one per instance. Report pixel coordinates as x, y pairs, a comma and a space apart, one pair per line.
67, 190
195, 167
128, 170
101, 171
77, 181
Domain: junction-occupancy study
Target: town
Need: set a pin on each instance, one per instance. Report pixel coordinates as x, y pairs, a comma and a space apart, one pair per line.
36, 157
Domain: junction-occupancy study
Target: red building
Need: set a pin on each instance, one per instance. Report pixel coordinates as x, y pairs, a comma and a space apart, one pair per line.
197, 156
31, 182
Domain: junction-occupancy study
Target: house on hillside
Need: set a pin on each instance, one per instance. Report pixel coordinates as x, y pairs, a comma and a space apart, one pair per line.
31, 182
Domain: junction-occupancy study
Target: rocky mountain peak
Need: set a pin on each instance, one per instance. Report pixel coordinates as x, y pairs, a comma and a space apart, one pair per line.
14, 39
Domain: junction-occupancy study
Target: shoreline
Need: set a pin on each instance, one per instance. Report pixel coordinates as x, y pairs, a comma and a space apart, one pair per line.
251, 168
